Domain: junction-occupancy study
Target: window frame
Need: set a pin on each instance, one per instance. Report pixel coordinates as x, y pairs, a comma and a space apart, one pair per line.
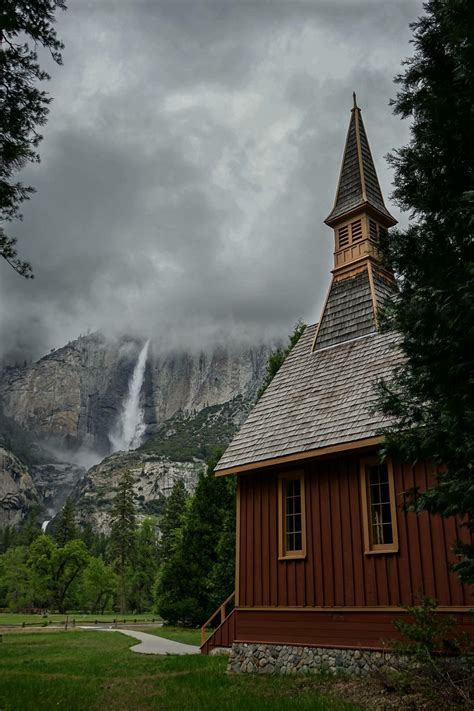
283, 553
370, 547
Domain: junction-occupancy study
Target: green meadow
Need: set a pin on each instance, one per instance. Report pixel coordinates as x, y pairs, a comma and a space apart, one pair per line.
92, 670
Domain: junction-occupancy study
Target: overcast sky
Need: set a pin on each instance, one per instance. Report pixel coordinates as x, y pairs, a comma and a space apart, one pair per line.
190, 158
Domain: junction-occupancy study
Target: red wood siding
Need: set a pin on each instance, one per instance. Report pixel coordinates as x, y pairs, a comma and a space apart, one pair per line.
336, 571
324, 628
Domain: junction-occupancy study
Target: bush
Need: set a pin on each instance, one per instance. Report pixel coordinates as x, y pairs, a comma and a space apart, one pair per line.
433, 658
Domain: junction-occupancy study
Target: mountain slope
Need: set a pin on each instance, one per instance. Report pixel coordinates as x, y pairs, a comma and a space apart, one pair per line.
178, 451
74, 394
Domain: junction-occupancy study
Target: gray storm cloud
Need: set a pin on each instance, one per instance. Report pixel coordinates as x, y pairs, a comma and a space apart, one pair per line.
190, 159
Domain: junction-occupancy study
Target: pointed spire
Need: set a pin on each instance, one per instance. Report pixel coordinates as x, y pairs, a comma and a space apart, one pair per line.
358, 183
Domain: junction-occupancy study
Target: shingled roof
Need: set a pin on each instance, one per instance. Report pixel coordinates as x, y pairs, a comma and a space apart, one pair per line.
351, 307
358, 183
317, 399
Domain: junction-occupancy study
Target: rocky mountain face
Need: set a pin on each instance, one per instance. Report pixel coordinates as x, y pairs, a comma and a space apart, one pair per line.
153, 476
74, 394
71, 400
18, 493
54, 481
179, 450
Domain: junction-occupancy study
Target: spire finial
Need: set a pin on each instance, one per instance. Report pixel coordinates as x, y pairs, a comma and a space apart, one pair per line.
355, 100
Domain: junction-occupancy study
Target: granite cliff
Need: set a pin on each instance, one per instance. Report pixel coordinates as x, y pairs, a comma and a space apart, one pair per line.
73, 395
18, 493
68, 403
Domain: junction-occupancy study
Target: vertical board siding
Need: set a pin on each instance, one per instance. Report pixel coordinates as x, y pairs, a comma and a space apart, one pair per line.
336, 571
325, 628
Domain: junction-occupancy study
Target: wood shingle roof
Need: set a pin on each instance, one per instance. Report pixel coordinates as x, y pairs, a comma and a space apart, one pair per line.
317, 399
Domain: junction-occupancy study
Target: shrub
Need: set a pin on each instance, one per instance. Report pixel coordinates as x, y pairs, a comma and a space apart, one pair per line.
434, 657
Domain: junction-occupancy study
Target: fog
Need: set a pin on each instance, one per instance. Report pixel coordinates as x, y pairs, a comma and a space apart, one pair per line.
190, 158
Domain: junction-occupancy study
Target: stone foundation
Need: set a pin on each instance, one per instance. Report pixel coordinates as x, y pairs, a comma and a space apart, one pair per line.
285, 659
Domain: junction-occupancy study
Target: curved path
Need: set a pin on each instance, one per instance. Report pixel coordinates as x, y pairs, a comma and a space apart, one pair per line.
150, 643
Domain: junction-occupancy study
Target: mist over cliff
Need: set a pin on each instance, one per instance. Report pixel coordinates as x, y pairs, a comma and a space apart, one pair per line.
73, 396
70, 409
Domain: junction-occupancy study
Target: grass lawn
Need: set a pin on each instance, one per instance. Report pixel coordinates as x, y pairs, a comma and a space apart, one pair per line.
93, 670
18, 618
185, 635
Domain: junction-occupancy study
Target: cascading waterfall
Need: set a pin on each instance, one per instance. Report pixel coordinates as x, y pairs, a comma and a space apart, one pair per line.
130, 428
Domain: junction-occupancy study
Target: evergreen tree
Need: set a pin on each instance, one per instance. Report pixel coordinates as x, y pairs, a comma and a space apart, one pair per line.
145, 566
278, 357
123, 530
29, 529
172, 519
183, 590
23, 106
431, 399
15, 581
8, 538
222, 575
65, 528
95, 542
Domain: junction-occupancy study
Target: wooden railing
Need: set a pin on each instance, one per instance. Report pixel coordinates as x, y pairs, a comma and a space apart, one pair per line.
220, 611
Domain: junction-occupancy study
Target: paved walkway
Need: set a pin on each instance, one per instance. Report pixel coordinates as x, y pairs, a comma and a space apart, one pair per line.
150, 643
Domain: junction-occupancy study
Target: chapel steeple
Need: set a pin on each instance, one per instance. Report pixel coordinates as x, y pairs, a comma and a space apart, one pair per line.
359, 215
360, 283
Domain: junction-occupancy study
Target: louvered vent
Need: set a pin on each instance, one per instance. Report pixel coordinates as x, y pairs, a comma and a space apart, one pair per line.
356, 231
383, 232
373, 230
343, 236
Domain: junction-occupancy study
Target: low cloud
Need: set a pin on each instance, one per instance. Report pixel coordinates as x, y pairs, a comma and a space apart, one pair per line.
190, 159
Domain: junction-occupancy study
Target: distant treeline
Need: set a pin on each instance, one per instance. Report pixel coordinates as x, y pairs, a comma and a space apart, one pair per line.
180, 565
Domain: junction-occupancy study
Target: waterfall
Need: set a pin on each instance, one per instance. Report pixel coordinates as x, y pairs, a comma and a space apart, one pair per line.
130, 428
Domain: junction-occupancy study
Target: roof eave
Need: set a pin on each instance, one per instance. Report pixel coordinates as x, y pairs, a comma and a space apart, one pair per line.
384, 216
300, 456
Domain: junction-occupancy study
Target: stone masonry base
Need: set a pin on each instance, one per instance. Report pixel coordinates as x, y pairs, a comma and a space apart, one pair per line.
285, 659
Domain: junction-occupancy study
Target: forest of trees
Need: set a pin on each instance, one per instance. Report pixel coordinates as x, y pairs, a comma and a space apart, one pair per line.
181, 574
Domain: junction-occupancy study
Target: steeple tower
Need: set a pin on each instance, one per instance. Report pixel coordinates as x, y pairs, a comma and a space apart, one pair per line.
359, 215
359, 218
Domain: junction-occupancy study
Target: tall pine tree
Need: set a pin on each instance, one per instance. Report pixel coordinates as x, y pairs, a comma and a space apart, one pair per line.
123, 525
145, 566
65, 528
184, 590
432, 396
172, 519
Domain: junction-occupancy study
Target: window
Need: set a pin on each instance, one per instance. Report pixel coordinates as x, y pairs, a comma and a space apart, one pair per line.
291, 514
378, 507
